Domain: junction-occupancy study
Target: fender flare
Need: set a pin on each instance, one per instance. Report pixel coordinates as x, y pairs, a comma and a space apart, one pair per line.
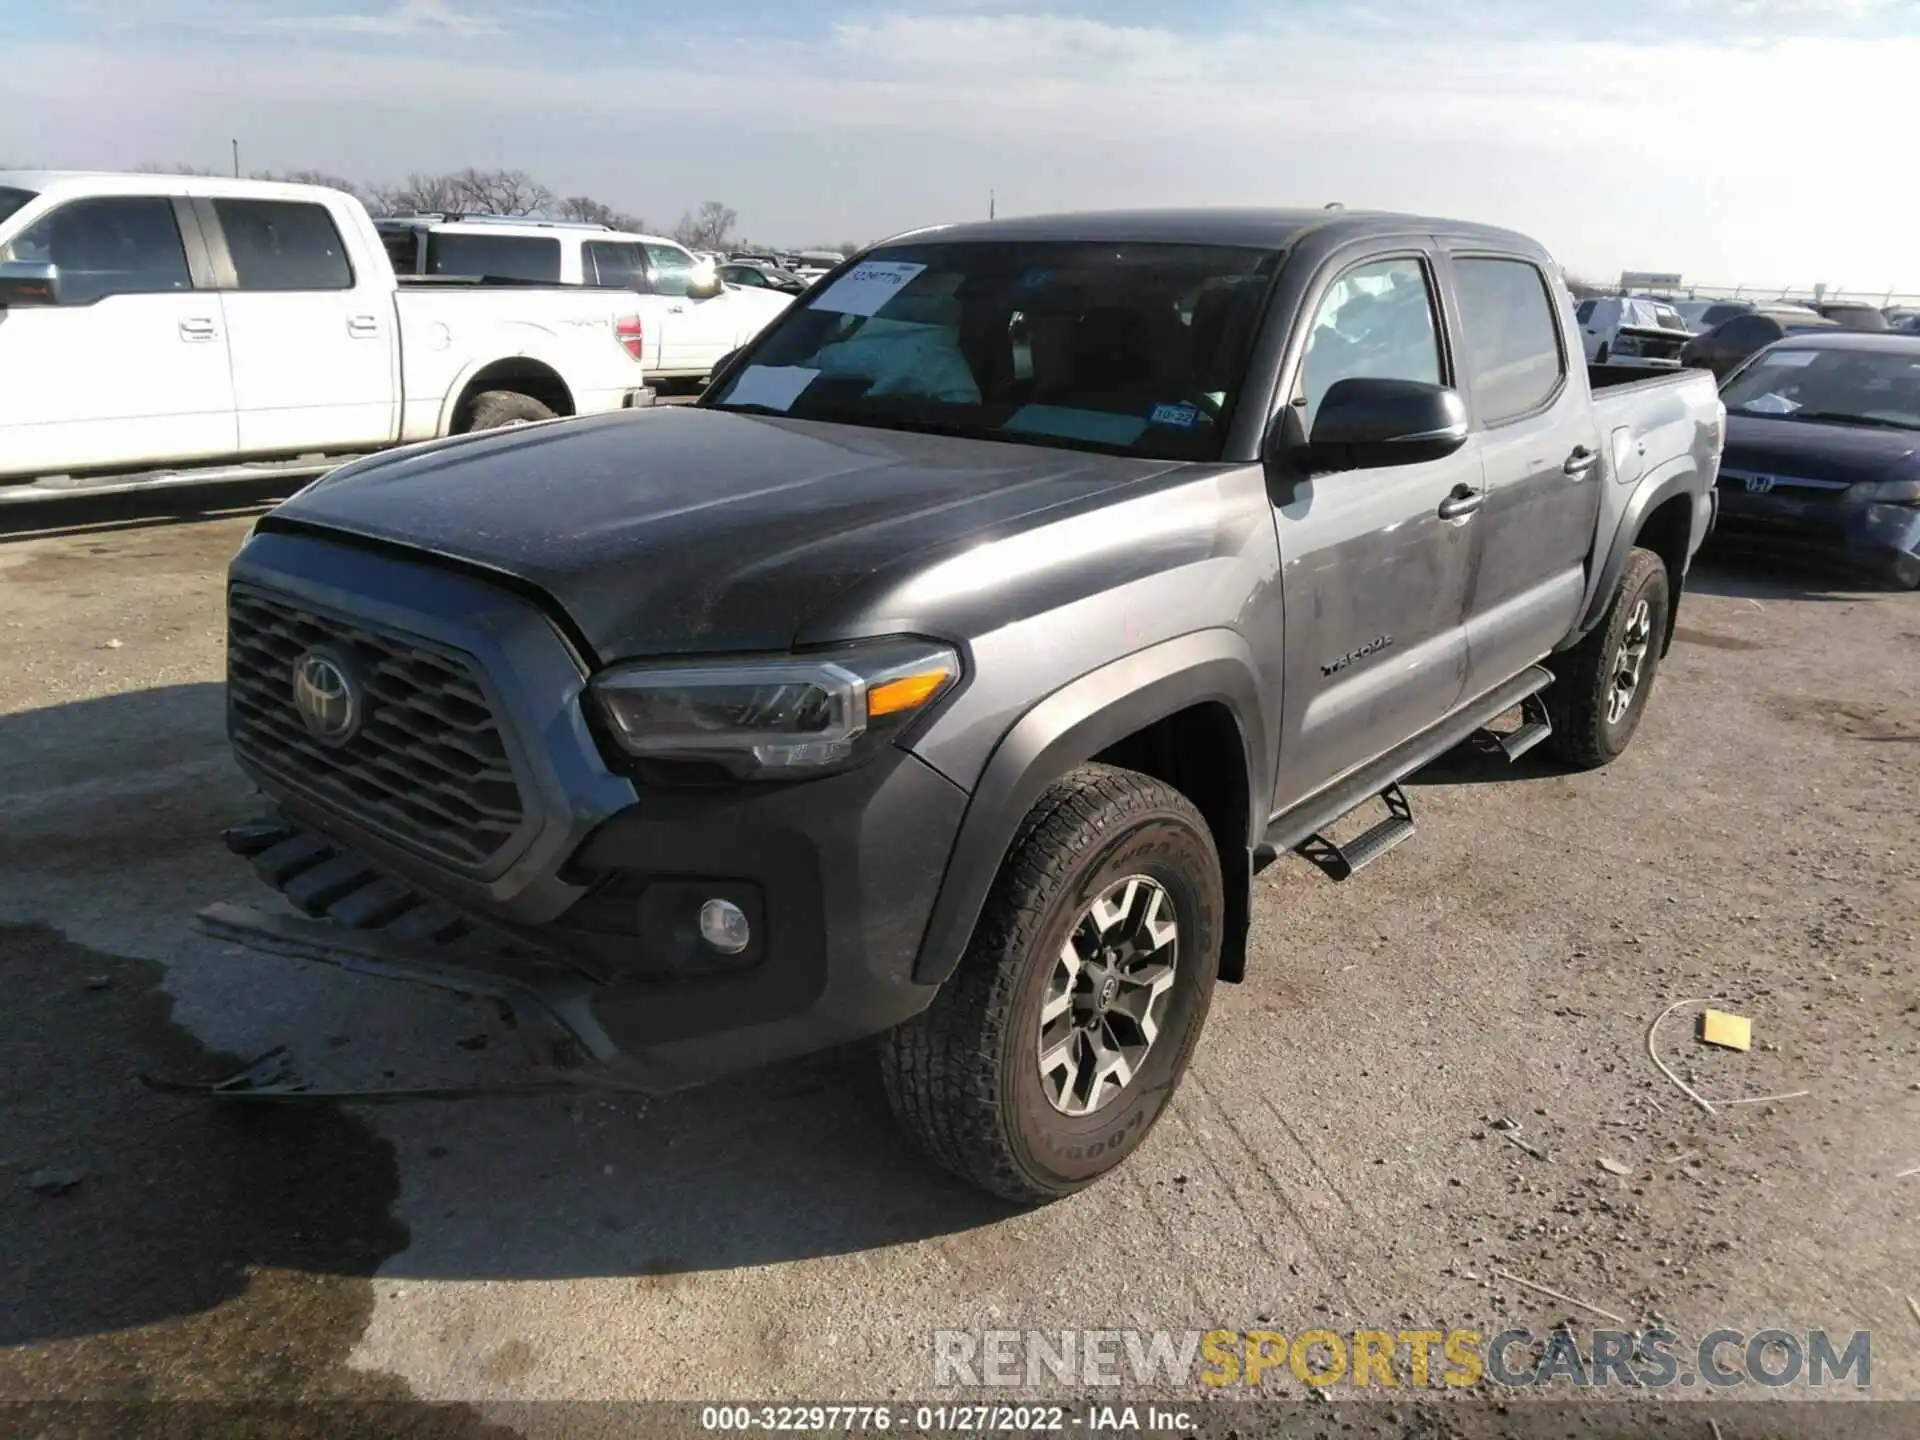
1069, 727
450, 402
1649, 495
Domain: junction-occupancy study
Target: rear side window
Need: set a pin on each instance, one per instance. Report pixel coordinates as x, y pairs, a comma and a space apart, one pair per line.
107, 245
504, 257
284, 245
1508, 336
617, 262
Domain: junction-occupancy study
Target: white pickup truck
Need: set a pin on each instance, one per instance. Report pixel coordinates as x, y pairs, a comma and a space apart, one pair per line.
690, 316
161, 329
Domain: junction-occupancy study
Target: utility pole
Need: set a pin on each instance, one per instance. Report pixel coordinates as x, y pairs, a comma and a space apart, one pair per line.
992, 204
236, 158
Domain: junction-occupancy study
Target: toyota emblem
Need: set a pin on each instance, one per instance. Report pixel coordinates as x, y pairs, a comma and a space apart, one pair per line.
327, 696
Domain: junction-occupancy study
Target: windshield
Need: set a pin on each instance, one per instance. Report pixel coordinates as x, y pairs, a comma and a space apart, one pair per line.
12, 199
1135, 349
1846, 387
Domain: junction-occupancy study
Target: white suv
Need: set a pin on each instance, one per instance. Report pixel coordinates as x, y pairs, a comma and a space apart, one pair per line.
689, 317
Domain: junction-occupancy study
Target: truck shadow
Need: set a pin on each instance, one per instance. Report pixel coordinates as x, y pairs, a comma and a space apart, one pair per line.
171, 1208
1737, 572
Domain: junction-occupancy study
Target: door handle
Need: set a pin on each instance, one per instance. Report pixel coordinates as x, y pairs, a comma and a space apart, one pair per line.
1580, 462
1463, 501
363, 327
676, 309
198, 329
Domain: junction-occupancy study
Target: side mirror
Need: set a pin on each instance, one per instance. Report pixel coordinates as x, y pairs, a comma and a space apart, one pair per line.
705, 287
28, 282
1367, 422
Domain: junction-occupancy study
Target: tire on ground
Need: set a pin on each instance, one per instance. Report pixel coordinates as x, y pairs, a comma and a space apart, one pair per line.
1586, 732
493, 409
964, 1077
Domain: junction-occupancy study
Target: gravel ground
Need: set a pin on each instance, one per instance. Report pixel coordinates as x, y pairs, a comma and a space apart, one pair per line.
1329, 1162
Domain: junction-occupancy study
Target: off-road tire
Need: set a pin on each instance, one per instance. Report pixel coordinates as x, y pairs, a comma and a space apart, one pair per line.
495, 409
963, 1078
1584, 676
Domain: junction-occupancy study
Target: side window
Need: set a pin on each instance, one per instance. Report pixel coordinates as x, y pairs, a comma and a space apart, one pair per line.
1376, 321
108, 245
617, 262
505, 257
284, 245
673, 269
403, 247
1509, 340
1585, 312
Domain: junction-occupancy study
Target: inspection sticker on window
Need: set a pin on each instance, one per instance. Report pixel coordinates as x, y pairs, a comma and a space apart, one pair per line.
1794, 358
774, 386
865, 288
1180, 415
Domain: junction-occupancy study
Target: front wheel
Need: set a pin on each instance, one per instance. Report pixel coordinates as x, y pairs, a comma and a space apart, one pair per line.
1055, 1045
1601, 686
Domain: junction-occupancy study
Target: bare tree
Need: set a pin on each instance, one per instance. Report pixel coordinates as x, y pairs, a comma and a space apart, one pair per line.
152, 167
419, 194
596, 212
501, 192
708, 228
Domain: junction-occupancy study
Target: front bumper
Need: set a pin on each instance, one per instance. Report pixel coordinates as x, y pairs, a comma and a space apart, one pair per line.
838, 875
1882, 540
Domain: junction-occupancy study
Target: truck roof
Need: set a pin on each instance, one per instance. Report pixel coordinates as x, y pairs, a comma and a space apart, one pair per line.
523, 226
1274, 228
117, 182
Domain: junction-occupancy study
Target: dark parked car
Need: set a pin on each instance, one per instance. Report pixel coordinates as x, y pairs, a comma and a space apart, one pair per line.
1723, 348
1823, 450
761, 277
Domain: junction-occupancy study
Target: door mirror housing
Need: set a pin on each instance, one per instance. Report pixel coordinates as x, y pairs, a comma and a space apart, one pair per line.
28, 282
1368, 422
705, 287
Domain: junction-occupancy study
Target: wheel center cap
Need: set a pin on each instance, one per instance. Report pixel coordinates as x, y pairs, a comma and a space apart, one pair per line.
1109, 988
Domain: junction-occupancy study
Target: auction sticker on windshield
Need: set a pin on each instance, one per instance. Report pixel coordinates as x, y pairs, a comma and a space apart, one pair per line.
774, 386
1794, 358
865, 288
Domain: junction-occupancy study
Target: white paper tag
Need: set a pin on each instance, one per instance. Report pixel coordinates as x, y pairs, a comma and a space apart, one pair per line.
865, 288
1789, 357
774, 386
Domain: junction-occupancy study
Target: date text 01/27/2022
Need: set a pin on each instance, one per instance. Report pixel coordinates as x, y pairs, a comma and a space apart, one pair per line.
944, 1419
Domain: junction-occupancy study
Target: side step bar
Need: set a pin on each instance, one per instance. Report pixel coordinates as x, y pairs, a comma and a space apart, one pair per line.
1343, 862
1302, 828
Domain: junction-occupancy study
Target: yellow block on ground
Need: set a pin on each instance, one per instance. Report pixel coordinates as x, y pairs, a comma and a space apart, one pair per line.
1731, 1032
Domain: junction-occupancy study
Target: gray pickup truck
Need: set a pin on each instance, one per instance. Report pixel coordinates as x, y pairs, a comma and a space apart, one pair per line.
945, 674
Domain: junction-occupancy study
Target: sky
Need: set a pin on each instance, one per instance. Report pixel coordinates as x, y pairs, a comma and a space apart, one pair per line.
1733, 141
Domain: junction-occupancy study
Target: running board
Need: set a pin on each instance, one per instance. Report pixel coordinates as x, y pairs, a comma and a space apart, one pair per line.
1297, 825
79, 487
1342, 862
1535, 727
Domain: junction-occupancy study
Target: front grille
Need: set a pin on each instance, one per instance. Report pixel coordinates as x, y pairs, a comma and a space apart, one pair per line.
1797, 487
428, 766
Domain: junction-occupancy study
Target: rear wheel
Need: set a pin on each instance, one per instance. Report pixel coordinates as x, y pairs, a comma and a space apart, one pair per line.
1051, 1051
497, 409
1602, 685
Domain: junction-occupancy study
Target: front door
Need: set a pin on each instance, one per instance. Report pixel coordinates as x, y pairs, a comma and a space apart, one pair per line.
698, 328
1540, 448
315, 359
1375, 577
130, 369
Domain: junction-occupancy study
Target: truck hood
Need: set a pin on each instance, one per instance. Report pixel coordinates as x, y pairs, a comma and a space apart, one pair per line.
1812, 451
681, 530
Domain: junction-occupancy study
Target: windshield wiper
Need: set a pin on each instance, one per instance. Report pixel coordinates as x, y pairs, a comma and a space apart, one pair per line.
1837, 417
748, 408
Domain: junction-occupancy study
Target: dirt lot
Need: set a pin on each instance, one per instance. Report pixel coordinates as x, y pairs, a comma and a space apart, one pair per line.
1329, 1161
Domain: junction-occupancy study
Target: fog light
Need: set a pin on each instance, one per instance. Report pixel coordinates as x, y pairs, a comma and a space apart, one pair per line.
723, 925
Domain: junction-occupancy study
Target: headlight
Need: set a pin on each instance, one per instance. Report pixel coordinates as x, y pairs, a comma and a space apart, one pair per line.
778, 717
1885, 492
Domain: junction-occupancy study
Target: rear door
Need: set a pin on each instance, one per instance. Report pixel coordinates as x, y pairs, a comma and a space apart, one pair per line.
624, 263
1376, 578
1539, 446
130, 368
315, 360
